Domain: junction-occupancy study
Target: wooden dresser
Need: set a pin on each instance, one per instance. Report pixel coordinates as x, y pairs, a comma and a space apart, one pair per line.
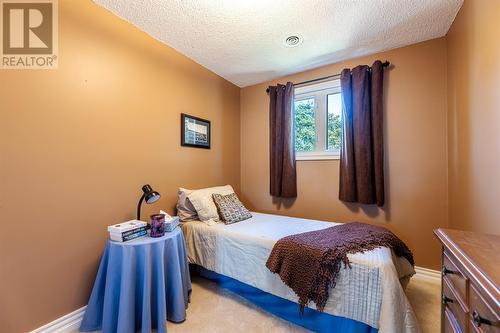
470, 277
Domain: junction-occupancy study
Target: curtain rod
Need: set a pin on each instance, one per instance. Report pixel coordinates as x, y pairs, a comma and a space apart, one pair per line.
384, 64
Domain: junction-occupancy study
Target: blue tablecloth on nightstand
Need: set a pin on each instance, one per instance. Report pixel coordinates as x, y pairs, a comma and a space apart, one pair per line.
140, 285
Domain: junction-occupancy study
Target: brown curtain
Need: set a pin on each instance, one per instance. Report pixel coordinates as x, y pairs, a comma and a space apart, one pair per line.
282, 148
362, 152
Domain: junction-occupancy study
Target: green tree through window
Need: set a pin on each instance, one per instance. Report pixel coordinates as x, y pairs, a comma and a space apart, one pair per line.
305, 125
334, 122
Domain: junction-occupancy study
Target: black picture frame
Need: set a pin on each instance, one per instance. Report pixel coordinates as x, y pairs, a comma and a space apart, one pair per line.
193, 138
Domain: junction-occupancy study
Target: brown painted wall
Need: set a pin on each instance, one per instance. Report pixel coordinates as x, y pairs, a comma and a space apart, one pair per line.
473, 44
416, 162
77, 143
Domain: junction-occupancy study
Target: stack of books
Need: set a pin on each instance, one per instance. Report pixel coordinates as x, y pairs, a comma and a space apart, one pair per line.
129, 230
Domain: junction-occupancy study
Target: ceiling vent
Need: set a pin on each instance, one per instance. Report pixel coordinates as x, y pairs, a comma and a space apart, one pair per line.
293, 41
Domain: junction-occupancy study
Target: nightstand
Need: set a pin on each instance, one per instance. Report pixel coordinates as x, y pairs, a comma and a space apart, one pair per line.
140, 285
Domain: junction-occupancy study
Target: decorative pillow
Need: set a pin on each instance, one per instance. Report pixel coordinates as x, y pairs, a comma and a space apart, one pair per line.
204, 204
230, 208
185, 209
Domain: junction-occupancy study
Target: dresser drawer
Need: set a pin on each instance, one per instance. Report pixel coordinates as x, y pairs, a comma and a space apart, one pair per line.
455, 277
454, 304
450, 323
483, 318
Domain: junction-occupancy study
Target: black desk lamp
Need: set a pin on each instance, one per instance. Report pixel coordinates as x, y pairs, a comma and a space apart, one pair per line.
150, 196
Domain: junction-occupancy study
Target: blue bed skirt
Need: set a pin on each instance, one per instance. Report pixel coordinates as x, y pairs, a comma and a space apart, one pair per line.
311, 319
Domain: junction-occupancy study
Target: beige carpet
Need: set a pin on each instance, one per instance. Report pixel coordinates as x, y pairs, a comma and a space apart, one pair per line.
425, 297
216, 310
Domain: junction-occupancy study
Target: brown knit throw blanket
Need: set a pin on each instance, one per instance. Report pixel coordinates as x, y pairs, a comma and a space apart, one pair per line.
309, 263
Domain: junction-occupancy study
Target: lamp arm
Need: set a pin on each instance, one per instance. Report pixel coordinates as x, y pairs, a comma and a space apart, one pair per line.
139, 207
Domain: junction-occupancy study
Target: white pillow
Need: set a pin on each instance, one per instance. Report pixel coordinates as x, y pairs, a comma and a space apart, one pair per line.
204, 203
185, 209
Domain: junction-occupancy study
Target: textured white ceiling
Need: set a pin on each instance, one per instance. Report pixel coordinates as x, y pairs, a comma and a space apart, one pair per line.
243, 40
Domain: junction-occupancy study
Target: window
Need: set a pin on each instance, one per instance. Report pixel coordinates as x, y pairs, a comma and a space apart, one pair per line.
318, 121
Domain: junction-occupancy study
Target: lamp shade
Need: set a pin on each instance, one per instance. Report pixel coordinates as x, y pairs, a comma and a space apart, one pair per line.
150, 195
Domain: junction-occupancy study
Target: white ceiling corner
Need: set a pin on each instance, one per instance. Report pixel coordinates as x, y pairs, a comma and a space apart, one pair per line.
243, 40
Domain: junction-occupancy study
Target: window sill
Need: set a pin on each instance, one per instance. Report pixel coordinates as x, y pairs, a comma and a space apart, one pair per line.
318, 157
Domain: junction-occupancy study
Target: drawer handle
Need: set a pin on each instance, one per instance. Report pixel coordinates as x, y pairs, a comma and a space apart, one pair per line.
445, 271
445, 300
478, 320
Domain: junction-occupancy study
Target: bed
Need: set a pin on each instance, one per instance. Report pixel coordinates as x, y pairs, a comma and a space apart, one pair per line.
369, 297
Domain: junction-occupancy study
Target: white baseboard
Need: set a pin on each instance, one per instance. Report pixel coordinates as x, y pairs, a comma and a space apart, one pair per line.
65, 324
428, 273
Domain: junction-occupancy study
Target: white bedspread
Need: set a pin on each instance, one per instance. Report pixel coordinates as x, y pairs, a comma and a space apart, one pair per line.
370, 292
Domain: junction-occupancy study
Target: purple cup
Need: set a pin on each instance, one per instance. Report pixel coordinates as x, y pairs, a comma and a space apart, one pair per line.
157, 225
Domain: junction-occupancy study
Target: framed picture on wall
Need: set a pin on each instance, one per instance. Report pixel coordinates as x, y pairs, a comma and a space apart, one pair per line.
195, 132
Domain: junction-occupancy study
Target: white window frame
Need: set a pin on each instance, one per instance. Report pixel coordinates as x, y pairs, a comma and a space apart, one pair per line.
320, 92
